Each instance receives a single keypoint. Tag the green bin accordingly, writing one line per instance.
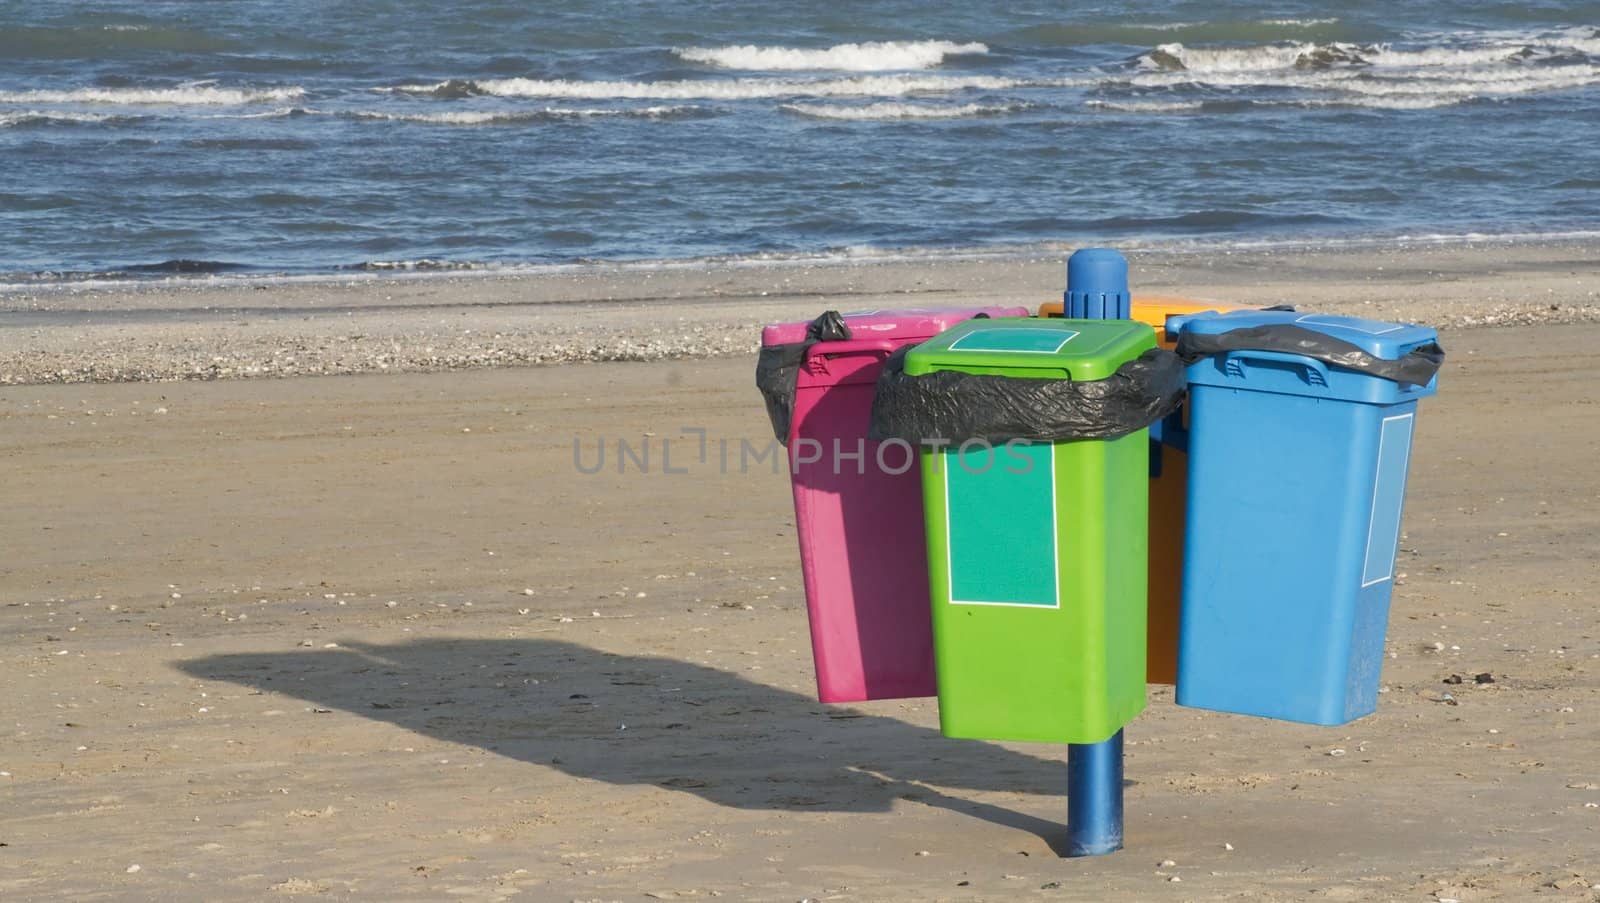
(1037, 551)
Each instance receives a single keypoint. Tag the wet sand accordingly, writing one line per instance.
(377, 637)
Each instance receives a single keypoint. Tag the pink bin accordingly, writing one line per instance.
(862, 551)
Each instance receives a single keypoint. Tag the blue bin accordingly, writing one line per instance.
(1297, 474)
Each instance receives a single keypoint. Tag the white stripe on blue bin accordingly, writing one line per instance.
(1388, 497)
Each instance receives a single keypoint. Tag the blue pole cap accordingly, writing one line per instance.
(1097, 285)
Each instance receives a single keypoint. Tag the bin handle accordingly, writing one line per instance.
(830, 350)
(1316, 372)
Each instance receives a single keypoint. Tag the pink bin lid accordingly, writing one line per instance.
(904, 323)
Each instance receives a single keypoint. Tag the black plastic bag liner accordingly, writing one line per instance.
(1416, 366)
(778, 368)
(956, 406)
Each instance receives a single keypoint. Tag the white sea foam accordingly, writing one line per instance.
(895, 110)
(1293, 55)
(1357, 90)
(1579, 38)
(1300, 23)
(874, 56)
(1469, 85)
(1385, 56)
(455, 117)
(183, 95)
(746, 88)
(1453, 69)
(1279, 78)
(1426, 102)
(1146, 106)
(1261, 58)
(1583, 40)
(1454, 51)
(427, 263)
(42, 117)
(503, 117)
(1504, 80)
(1364, 102)
(1168, 26)
(464, 117)
(278, 113)
(1279, 23)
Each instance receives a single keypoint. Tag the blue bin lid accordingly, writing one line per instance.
(1389, 341)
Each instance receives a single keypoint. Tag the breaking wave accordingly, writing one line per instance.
(1147, 106)
(62, 117)
(507, 117)
(1255, 31)
(874, 56)
(1178, 57)
(183, 95)
(1382, 76)
(754, 88)
(890, 110)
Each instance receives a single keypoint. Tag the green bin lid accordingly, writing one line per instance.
(1083, 350)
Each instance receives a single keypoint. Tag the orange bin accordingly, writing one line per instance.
(1169, 469)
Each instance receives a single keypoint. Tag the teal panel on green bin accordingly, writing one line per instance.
(1020, 341)
(1001, 520)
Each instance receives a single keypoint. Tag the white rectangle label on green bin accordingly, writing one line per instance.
(1017, 340)
(1000, 525)
(1388, 496)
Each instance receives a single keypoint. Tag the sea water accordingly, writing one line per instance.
(305, 137)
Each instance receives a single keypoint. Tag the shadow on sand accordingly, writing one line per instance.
(688, 727)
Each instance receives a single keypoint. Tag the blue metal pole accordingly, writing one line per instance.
(1097, 285)
(1094, 797)
(1097, 289)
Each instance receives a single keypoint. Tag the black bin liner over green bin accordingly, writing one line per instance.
(959, 407)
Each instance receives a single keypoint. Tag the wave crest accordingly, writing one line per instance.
(1175, 57)
(183, 95)
(62, 117)
(873, 56)
(755, 88)
(449, 89)
(508, 117)
(1442, 70)
(889, 110)
(1224, 31)
(1146, 106)
(1261, 58)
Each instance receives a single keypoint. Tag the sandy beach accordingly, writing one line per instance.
(367, 631)
(222, 328)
